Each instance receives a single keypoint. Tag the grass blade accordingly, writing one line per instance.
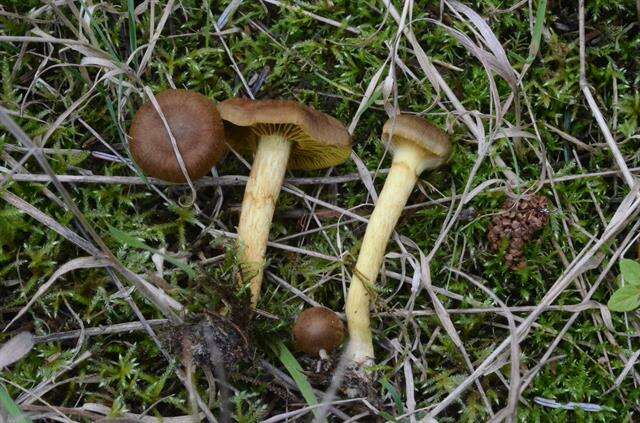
(294, 369)
(537, 31)
(133, 39)
(134, 242)
(11, 408)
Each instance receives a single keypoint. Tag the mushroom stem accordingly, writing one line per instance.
(258, 205)
(323, 354)
(323, 357)
(408, 162)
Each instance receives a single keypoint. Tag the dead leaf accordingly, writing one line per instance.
(16, 348)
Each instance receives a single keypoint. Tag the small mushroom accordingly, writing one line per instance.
(416, 145)
(318, 331)
(282, 135)
(196, 127)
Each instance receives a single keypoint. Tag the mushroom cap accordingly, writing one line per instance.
(430, 139)
(196, 126)
(318, 328)
(319, 141)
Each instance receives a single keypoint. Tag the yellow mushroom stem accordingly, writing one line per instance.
(409, 160)
(260, 196)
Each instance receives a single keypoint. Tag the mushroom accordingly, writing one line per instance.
(318, 331)
(196, 127)
(283, 135)
(416, 145)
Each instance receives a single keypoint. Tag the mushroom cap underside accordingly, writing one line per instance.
(319, 141)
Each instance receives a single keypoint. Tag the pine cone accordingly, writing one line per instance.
(517, 225)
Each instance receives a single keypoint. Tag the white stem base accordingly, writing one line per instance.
(323, 358)
(394, 195)
(258, 205)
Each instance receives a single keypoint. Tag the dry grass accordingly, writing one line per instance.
(538, 97)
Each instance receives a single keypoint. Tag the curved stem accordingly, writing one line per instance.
(403, 174)
(258, 205)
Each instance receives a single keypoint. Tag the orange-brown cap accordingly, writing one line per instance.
(433, 143)
(319, 141)
(318, 328)
(196, 126)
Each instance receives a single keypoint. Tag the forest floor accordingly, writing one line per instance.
(538, 97)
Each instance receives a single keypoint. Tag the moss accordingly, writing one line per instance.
(298, 57)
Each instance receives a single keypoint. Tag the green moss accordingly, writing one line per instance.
(329, 68)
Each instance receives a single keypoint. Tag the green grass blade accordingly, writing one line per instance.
(11, 407)
(131, 241)
(394, 394)
(537, 30)
(133, 40)
(294, 369)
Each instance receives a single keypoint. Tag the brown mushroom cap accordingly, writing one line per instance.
(319, 141)
(416, 130)
(318, 328)
(196, 126)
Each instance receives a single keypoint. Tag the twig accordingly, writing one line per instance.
(100, 330)
(278, 245)
(226, 180)
(571, 308)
